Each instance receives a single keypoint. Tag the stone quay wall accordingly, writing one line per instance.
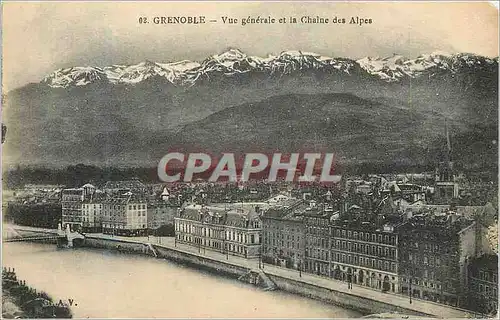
(340, 298)
(179, 256)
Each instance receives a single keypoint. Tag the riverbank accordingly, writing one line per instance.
(358, 298)
(22, 301)
(10, 309)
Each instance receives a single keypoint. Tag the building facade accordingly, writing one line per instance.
(161, 213)
(435, 251)
(283, 236)
(317, 236)
(235, 231)
(126, 215)
(71, 201)
(92, 215)
(483, 284)
(366, 254)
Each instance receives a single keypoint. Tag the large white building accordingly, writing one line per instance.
(234, 231)
(125, 215)
(92, 215)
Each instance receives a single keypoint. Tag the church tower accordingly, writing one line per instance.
(446, 186)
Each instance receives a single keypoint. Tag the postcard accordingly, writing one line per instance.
(219, 159)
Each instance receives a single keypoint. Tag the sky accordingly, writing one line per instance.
(40, 37)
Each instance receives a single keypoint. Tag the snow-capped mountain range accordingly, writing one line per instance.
(233, 61)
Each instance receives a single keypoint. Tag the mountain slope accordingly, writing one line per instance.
(391, 108)
(351, 127)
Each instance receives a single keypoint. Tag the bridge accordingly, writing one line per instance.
(64, 237)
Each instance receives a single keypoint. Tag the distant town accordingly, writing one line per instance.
(430, 236)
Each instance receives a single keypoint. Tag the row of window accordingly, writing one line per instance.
(364, 262)
(288, 237)
(365, 249)
(488, 290)
(281, 228)
(432, 247)
(487, 276)
(417, 259)
(230, 235)
(317, 230)
(427, 284)
(282, 243)
(213, 244)
(274, 250)
(317, 242)
(364, 236)
(123, 214)
(123, 226)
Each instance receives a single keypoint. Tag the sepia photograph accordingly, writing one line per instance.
(249, 159)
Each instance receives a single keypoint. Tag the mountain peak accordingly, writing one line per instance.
(234, 61)
(232, 53)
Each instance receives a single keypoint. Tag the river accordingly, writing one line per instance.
(107, 284)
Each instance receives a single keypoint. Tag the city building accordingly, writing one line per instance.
(125, 215)
(79, 208)
(92, 215)
(483, 284)
(71, 201)
(365, 252)
(317, 235)
(435, 249)
(283, 235)
(161, 213)
(234, 231)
